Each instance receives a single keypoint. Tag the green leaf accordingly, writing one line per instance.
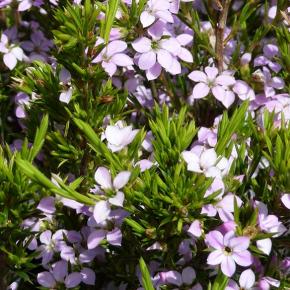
(39, 138)
(33, 173)
(112, 7)
(146, 278)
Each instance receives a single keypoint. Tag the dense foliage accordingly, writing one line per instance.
(145, 144)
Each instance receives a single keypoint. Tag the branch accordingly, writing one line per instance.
(222, 21)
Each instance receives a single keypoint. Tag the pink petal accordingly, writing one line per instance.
(164, 58)
(146, 19)
(195, 229)
(247, 279)
(47, 205)
(46, 279)
(66, 96)
(73, 280)
(10, 60)
(215, 257)
(115, 47)
(185, 55)
(211, 72)
(101, 211)
(142, 44)
(219, 93)
(109, 67)
(114, 237)
(88, 276)
(60, 270)
(103, 178)
(286, 200)
(208, 158)
(18, 52)
(239, 244)
(121, 179)
(147, 60)
(118, 199)
(24, 5)
(184, 38)
(243, 258)
(175, 68)
(264, 245)
(215, 239)
(154, 72)
(95, 238)
(45, 237)
(225, 80)
(228, 266)
(122, 59)
(200, 91)
(198, 76)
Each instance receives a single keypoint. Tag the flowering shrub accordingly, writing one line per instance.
(145, 144)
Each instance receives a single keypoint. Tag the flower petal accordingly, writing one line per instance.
(215, 257)
(247, 279)
(103, 178)
(46, 279)
(142, 44)
(73, 280)
(121, 179)
(228, 266)
(122, 59)
(243, 258)
(215, 239)
(95, 238)
(200, 91)
(88, 276)
(198, 76)
(147, 60)
(102, 211)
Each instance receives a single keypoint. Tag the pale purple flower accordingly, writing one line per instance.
(37, 46)
(270, 83)
(264, 245)
(187, 277)
(229, 250)
(51, 243)
(156, 9)
(244, 91)
(266, 283)
(195, 229)
(205, 161)
(119, 136)
(103, 177)
(5, 3)
(270, 51)
(286, 200)
(225, 208)
(156, 54)
(11, 53)
(210, 82)
(269, 223)
(59, 275)
(47, 205)
(27, 4)
(246, 281)
(112, 56)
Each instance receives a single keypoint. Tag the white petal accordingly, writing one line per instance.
(101, 211)
(121, 179)
(103, 178)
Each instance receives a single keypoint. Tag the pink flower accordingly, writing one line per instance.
(156, 9)
(11, 53)
(286, 199)
(228, 251)
(103, 177)
(119, 136)
(157, 54)
(246, 281)
(210, 82)
(112, 56)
